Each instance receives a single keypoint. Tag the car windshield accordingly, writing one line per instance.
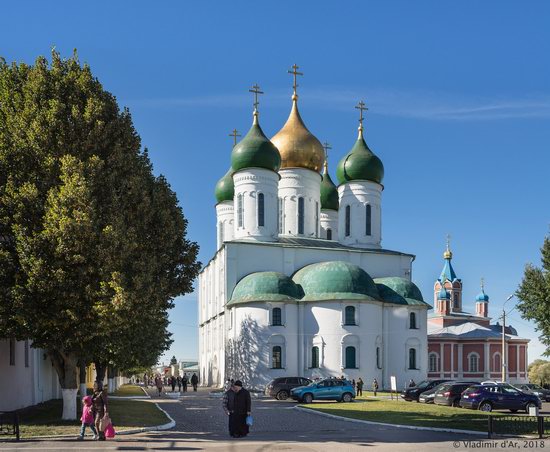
(423, 384)
(443, 387)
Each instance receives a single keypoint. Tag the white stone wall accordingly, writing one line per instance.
(357, 195)
(225, 229)
(249, 183)
(329, 220)
(298, 183)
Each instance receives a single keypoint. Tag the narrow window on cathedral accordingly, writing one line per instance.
(348, 221)
(240, 210)
(432, 362)
(277, 362)
(368, 220)
(261, 214)
(349, 317)
(455, 300)
(412, 321)
(412, 358)
(350, 358)
(281, 215)
(315, 357)
(316, 219)
(12, 352)
(329, 234)
(473, 362)
(276, 317)
(221, 232)
(26, 353)
(378, 360)
(496, 363)
(300, 215)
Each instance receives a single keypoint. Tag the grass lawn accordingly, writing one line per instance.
(45, 418)
(407, 413)
(129, 391)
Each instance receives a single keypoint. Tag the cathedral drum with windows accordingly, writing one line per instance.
(300, 284)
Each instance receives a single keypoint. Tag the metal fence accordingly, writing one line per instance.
(9, 424)
(518, 426)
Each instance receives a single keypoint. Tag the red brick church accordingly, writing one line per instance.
(462, 345)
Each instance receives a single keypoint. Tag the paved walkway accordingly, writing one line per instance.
(202, 425)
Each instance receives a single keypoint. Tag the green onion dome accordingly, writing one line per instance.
(329, 192)
(399, 290)
(360, 164)
(335, 280)
(225, 188)
(264, 286)
(255, 151)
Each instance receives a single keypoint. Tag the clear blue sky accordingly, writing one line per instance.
(459, 98)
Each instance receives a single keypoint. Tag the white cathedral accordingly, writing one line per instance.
(300, 285)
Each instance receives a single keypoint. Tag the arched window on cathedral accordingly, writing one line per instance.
(240, 210)
(315, 357)
(276, 317)
(412, 321)
(412, 358)
(497, 364)
(349, 315)
(277, 357)
(348, 221)
(433, 362)
(261, 213)
(329, 234)
(351, 362)
(301, 215)
(473, 362)
(378, 358)
(368, 213)
(281, 215)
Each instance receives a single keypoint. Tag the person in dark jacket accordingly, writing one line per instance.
(237, 405)
(173, 383)
(194, 381)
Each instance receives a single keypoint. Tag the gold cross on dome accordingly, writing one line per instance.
(326, 146)
(295, 73)
(234, 134)
(448, 242)
(256, 90)
(361, 106)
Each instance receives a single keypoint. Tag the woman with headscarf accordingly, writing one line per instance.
(99, 407)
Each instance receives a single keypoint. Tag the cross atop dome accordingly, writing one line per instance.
(256, 90)
(361, 106)
(448, 254)
(295, 73)
(234, 134)
(326, 147)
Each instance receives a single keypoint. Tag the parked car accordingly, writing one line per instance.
(413, 393)
(280, 387)
(328, 389)
(489, 397)
(449, 393)
(428, 396)
(543, 394)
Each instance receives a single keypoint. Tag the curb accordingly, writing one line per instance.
(385, 424)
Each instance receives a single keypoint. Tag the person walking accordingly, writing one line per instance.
(158, 384)
(359, 385)
(375, 386)
(99, 408)
(184, 382)
(194, 381)
(179, 383)
(237, 406)
(173, 383)
(145, 380)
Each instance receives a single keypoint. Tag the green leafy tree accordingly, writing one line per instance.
(534, 295)
(92, 244)
(539, 372)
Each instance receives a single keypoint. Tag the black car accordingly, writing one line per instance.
(428, 396)
(543, 394)
(280, 387)
(491, 397)
(413, 392)
(449, 393)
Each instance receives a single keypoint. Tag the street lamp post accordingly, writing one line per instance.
(504, 354)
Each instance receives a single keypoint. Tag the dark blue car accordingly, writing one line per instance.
(491, 397)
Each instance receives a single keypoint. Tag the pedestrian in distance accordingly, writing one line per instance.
(173, 383)
(237, 405)
(411, 383)
(184, 382)
(353, 383)
(359, 385)
(99, 408)
(87, 418)
(194, 381)
(179, 383)
(145, 380)
(158, 384)
(375, 386)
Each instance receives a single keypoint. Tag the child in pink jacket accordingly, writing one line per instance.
(87, 417)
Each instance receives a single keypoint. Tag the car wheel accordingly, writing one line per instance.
(308, 398)
(347, 397)
(486, 406)
(528, 406)
(282, 395)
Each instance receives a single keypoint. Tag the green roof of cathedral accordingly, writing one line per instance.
(225, 189)
(255, 150)
(335, 280)
(360, 164)
(329, 193)
(398, 290)
(264, 286)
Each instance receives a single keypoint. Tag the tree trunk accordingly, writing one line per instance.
(82, 378)
(100, 369)
(65, 366)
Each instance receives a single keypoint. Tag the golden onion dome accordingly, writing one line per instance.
(298, 147)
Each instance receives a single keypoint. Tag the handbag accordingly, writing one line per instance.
(249, 421)
(110, 431)
(104, 422)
